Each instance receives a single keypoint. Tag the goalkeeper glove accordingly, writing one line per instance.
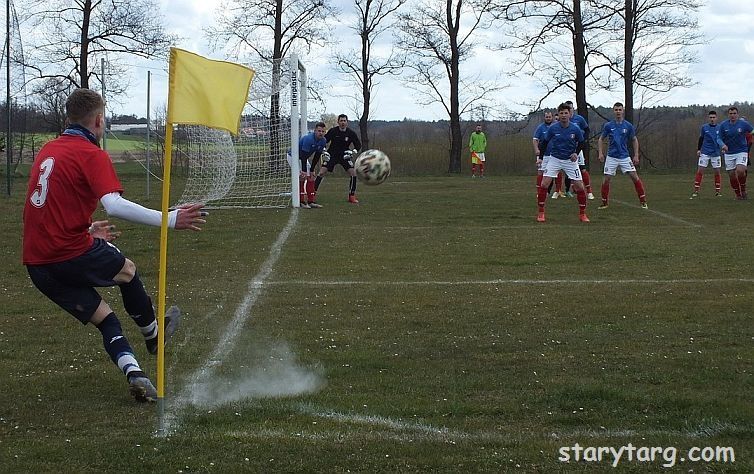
(325, 157)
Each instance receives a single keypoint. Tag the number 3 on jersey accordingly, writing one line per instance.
(39, 196)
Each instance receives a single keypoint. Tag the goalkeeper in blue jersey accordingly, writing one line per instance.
(310, 149)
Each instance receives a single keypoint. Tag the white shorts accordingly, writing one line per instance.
(734, 159)
(582, 161)
(570, 168)
(543, 166)
(612, 165)
(706, 160)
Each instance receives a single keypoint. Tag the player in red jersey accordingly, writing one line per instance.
(67, 255)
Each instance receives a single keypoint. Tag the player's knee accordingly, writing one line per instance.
(126, 274)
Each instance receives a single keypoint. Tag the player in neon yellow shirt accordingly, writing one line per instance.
(477, 146)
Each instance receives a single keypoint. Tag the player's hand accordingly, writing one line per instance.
(325, 157)
(103, 230)
(190, 216)
(602, 158)
(636, 160)
(539, 161)
(574, 157)
(724, 149)
(698, 153)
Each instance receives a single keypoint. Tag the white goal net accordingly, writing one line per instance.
(251, 170)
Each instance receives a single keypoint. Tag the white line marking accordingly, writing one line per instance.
(661, 214)
(569, 281)
(228, 340)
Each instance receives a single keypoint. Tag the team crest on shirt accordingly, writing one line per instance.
(624, 131)
(573, 136)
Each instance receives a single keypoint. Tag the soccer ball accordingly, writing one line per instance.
(372, 167)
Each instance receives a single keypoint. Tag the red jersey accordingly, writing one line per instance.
(69, 176)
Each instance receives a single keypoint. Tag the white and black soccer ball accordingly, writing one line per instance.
(372, 167)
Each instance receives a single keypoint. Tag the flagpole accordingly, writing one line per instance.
(162, 277)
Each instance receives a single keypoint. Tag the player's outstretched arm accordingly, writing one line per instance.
(117, 206)
(190, 216)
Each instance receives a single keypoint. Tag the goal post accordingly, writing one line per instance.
(259, 168)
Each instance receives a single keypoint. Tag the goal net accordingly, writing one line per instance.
(253, 169)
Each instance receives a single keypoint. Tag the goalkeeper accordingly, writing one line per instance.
(310, 147)
(343, 144)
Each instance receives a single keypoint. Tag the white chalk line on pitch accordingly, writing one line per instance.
(568, 281)
(661, 214)
(228, 340)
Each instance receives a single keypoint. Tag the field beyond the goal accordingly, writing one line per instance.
(434, 327)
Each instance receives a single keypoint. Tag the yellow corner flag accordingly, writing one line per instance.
(206, 92)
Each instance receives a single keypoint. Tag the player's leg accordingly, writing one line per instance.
(639, 186)
(482, 160)
(550, 172)
(699, 176)
(730, 167)
(326, 167)
(348, 166)
(577, 185)
(716, 164)
(311, 193)
(611, 166)
(741, 174)
(559, 185)
(59, 282)
(474, 164)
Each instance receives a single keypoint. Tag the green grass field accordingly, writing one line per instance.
(436, 327)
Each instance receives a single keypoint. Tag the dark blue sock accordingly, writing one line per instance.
(117, 346)
(139, 306)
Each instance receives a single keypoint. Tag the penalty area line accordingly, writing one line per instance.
(569, 281)
(669, 217)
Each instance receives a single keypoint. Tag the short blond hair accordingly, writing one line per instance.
(82, 105)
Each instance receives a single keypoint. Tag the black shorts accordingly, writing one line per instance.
(70, 284)
(346, 164)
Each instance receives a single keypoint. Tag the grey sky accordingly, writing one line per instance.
(725, 73)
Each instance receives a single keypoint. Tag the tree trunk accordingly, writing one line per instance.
(453, 76)
(365, 91)
(628, 67)
(84, 53)
(579, 55)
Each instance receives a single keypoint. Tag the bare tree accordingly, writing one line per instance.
(364, 66)
(657, 41)
(268, 31)
(567, 42)
(437, 37)
(72, 35)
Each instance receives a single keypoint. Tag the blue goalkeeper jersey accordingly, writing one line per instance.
(308, 144)
(619, 135)
(562, 141)
(539, 135)
(710, 135)
(734, 135)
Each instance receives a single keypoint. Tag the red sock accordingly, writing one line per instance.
(734, 184)
(541, 198)
(717, 183)
(481, 168)
(473, 169)
(698, 181)
(310, 190)
(587, 180)
(559, 183)
(581, 198)
(640, 190)
(539, 180)
(605, 192)
(302, 189)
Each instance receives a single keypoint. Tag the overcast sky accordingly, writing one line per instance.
(724, 74)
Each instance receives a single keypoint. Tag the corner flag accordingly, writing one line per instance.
(206, 92)
(201, 92)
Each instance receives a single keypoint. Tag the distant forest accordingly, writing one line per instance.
(667, 138)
